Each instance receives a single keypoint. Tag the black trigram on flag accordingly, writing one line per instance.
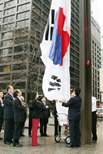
(48, 36)
(55, 83)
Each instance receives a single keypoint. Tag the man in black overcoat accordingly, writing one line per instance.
(8, 116)
(74, 116)
(19, 117)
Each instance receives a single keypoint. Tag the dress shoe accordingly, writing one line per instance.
(17, 145)
(41, 135)
(7, 142)
(69, 146)
(94, 141)
(46, 135)
(22, 135)
(1, 138)
(11, 141)
(78, 146)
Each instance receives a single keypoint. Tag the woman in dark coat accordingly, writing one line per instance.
(38, 108)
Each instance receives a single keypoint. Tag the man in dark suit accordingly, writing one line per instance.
(8, 116)
(19, 118)
(74, 105)
(44, 120)
(1, 110)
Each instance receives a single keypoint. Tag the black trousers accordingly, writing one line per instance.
(94, 122)
(30, 126)
(1, 122)
(17, 132)
(8, 130)
(74, 133)
(43, 126)
(57, 127)
(22, 131)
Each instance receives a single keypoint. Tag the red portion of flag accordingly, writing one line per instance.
(65, 36)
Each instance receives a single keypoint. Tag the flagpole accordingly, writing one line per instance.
(85, 72)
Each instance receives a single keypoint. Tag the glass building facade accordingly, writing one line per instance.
(96, 58)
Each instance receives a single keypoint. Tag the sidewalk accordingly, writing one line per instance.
(49, 146)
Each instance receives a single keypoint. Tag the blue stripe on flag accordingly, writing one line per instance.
(56, 45)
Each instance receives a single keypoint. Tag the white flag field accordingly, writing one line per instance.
(55, 49)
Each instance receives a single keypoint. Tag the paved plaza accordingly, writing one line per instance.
(47, 145)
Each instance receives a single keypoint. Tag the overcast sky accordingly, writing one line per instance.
(97, 9)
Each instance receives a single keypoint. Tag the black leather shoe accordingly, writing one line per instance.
(46, 135)
(78, 146)
(41, 135)
(17, 145)
(1, 138)
(69, 146)
(7, 142)
(94, 141)
(11, 141)
(22, 135)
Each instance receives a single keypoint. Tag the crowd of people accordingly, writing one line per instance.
(13, 110)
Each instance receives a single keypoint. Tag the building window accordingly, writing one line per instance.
(4, 77)
(23, 23)
(18, 49)
(36, 16)
(5, 68)
(20, 76)
(4, 85)
(9, 19)
(21, 31)
(10, 3)
(32, 40)
(45, 8)
(1, 14)
(21, 1)
(24, 7)
(5, 52)
(23, 15)
(8, 26)
(36, 9)
(7, 43)
(21, 66)
(21, 40)
(9, 11)
(19, 85)
(21, 57)
(46, 2)
(7, 35)
(45, 16)
(1, 6)
(35, 24)
(37, 2)
(6, 59)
